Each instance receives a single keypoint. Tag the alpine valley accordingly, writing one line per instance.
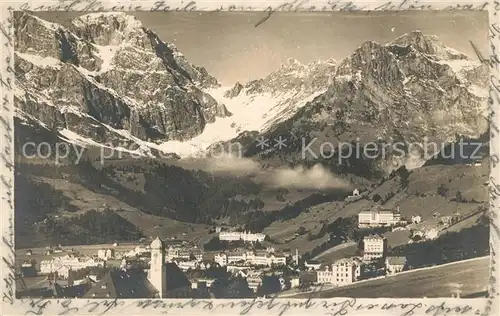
(105, 83)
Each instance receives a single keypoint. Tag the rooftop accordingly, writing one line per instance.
(157, 243)
(351, 260)
(380, 211)
(135, 284)
(374, 236)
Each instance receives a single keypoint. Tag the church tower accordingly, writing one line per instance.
(157, 270)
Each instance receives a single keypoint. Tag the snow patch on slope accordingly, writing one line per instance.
(250, 113)
(25, 118)
(256, 112)
(46, 24)
(478, 91)
(86, 142)
(460, 64)
(106, 53)
(128, 21)
(39, 61)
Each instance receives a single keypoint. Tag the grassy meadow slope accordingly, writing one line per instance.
(174, 198)
(419, 191)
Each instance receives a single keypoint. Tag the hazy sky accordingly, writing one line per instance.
(232, 49)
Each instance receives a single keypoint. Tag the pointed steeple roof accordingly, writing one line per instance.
(157, 243)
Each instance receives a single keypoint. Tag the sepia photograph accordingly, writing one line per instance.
(220, 155)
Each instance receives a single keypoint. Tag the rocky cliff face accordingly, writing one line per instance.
(404, 91)
(109, 79)
(295, 76)
(260, 104)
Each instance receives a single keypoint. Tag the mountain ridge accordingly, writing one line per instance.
(120, 105)
(390, 93)
(159, 98)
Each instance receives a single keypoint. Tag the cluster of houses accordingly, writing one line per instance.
(106, 254)
(185, 257)
(186, 265)
(349, 270)
(144, 271)
(163, 273)
(255, 278)
(64, 264)
(184, 253)
(254, 257)
(157, 262)
(242, 236)
(378, 217)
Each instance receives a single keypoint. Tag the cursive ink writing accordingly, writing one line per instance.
(9, 279)
(66, 307)
(271, 306)
(37, 306)
(102, 307)
(494, 188)
(6, 181)
(302, 5)
(404, 5)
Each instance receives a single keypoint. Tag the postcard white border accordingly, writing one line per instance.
(335, 306)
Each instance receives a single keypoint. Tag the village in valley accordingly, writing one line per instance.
(241, 266)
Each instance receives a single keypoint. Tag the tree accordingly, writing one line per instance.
(301, 230)
(270, 285)
(219, 288)
(416, 238)
(257, 203)
(305, 285)
(442, 190)
(258, 245)
(238, 288)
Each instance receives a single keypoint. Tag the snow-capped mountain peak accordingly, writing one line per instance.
(411, 88)
(108, 28)
(110, 80)
(428, 44)
(143, 86)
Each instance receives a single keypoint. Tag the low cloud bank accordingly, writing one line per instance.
(316, 177)
(231, 165)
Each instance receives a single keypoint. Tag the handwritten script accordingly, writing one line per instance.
(6, 163)
(494, 187)
(276, 305)
(334, 307)
(292, 6)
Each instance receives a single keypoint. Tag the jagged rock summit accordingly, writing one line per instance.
(405, 91)
(108, 79)
(291, 77)
(429, 45)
